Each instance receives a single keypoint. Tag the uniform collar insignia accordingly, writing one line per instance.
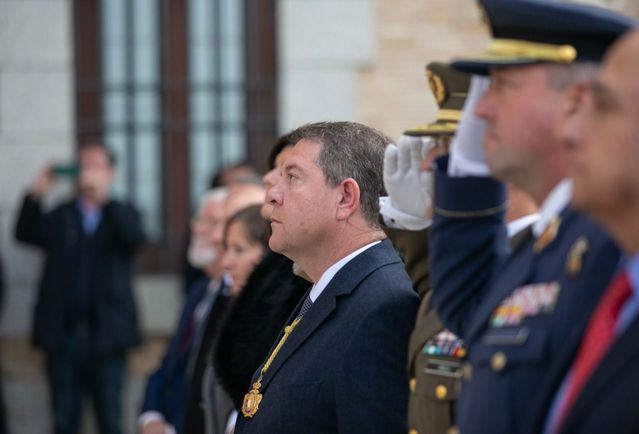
(574, 261)
(548, 235)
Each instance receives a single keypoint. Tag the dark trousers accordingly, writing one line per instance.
(75, 371)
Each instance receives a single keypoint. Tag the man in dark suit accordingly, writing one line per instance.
(85, 314)
(518, 313)
(599, 388)
(435, 355)
(165, 396)
(339, 364)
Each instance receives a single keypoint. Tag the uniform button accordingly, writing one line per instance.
(453, 430)
(413, 431)
(441, 392)
(498, 361)
(412, 384)
(467, 371)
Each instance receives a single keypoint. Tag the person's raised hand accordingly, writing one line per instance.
(409, 187)
(467, 148)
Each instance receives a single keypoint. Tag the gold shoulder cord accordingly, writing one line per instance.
(252, 399)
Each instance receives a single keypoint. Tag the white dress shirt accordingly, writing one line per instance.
(331, 271)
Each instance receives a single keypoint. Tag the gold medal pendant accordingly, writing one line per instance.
(252, 401)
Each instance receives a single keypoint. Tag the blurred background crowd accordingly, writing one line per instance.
(191, 97)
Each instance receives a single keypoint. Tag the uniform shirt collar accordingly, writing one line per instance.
(555, 202)
(518, 225)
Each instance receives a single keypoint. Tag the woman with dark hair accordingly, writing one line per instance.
(245, 242)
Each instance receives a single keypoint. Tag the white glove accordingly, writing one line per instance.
(409, 188)
(467, 149)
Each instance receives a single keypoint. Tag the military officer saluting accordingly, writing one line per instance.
(435, 355)
(518, 311)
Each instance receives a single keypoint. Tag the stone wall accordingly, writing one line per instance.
(36, 127)
(322, 47)
(393, 94)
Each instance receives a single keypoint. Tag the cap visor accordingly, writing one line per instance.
(483, 63)
(433, 129)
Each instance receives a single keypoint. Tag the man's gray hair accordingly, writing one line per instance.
(350, 150)
(560, 77)
(217, 194)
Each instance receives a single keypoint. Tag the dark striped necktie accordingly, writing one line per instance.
(306, 306)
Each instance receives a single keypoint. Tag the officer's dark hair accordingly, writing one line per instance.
(105, 149)
(350, 150)
(561, 77)
(256, 228)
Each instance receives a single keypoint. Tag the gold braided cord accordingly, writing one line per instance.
(449, 115)
(253, 398)
(532, 50)
(287, 331)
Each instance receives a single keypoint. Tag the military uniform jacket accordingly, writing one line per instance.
(517, 313)
(433, 378)
(342, 369)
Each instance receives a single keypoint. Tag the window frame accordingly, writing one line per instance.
(260, 54)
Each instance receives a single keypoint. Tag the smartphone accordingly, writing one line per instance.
(65, 170)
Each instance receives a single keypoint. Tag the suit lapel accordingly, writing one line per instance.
(315, 316)
(344, 282)
(623, 353)
(185, 320)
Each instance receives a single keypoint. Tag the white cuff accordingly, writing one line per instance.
(460, 166)
(155, 416)
(230, 423)
(396, 219)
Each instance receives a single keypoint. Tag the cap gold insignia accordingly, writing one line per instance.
(436, 86)
(548, 235)
(574, 262)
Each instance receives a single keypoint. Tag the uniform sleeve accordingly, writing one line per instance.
(468, 243)
(372, 385)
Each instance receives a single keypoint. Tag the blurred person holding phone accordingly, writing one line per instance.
(85, 316)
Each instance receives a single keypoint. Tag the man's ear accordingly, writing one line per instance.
(348, 199)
